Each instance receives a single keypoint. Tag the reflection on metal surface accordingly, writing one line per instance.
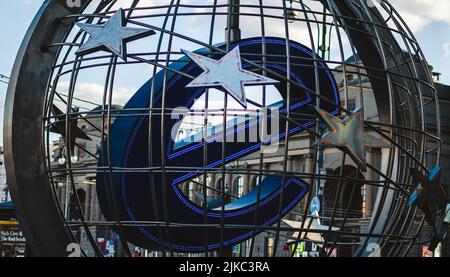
(349, 135)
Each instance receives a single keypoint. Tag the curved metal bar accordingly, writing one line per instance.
(46, 235)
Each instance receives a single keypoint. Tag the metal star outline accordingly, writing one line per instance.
(111, 36)
(429, 193)
(227, 73)
(348, 135)
(442, 227)
(59, 127)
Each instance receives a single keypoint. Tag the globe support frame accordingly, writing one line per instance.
(46, 235)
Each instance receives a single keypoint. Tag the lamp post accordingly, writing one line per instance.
(323, 36)
(62, 161)
(235, 31)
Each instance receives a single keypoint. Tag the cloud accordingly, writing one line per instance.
(420, 13)
(446, 47)
(417, 13)
(93, 92)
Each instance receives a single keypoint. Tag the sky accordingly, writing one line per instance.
(428, 19)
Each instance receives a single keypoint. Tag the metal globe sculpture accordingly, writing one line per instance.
(251, 128)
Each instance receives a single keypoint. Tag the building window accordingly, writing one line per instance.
(268, 246)
(239, 185)
(255, 182)
(219, 184)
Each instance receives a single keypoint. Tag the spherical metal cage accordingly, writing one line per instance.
(91, 160)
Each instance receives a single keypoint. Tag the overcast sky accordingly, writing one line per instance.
(429, 19)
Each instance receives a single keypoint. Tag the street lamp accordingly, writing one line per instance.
(62, 161)
(323, 38)
(291, 14)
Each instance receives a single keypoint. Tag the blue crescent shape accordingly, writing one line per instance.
(127, 194)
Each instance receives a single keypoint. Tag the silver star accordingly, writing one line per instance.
(227, 73)
(348, 135)
(112, 36)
